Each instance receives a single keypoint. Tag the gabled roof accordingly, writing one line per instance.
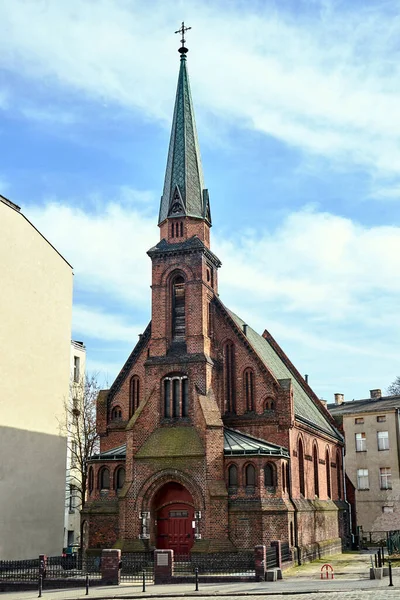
(237, 443)
(184, 193)
(384, 403)
(305, 402)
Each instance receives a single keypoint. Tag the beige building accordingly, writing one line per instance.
(371, 429)
(35, 338)
(72, 518)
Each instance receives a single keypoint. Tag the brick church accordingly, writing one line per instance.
(210, 439)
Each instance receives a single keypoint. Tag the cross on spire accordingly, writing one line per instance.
(182, 30)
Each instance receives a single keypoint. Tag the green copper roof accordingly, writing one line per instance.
(184, 192)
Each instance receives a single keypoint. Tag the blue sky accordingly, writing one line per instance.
(297, 108)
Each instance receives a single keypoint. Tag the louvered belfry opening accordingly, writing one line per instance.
(178, 309)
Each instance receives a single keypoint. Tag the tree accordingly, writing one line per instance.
(394, 387)
(79, 427)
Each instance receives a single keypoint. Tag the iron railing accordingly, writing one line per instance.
(286, 552)
(135, 564)
(224, 564)
(58, 568)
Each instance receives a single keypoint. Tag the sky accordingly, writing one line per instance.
(298, 113)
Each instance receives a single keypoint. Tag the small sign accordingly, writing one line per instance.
(162, 560)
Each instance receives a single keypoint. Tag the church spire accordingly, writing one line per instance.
(184, 194)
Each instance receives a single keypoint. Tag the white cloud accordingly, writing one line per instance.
(326, 82)
(96, 324)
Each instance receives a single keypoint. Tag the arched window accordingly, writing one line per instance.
(269, 404)
(339, 474)
(181, 228)
(104, 479)
(328, 474)
(300, 456)
(116, 413)
(119, 478)
(283, 477)
(291, 534)
(134, 394)
(287, 477)
(316, 470)
(229, 378)
(232, 476)
(90, 480)
(176, 396)
(269, 475)
(172, 229)
(249, 389)
(250, 476)
(178, 308)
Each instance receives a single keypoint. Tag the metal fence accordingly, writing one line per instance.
(226, 564)
(136, 565)
(393, 542)
(286, 552)
(71, 569)
(272, 561)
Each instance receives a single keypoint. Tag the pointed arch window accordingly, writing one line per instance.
(283, 477)
(134, 394)
(176, 396)
(339, 474)
(269, 476)
(104, 479)
(119, 478)
(328, 474)
(232, 476)
(300, 455)
(229, 378)
(90, 480)
(316, 470)
(249, 389)
(250, 476)
(178, 308)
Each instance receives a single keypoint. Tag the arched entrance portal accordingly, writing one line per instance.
(174, 510)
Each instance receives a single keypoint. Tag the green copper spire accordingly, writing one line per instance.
(184, 193)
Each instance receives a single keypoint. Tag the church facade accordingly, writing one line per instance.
(210, 439)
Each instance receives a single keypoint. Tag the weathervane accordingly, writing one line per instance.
(183, 30)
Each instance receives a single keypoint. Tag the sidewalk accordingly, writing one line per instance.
(351, 572)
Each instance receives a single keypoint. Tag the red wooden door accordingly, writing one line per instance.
(174, 528)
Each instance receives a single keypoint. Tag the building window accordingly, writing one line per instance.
(316, 470)
(283, 477)
(134, 394)
(339, 474)
(361, 442)
(291, 534)
(300, 455)
(178, 308)
(104, 479)
(328, 475)
(359, 420)
(229, 377)
(381, 418)
(250, 477)
(116, 413)
(71, 498)
(91, 480)
(249, 389)
(269, 479)
(269, 404)
(176, 396)
(119, 478)
(385, 478)
(383, 440)
(232, 476)
(362, 479)
(77, 363)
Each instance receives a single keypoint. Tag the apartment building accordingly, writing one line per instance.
(35, 338)
(371, 427)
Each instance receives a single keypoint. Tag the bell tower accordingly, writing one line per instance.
(184, 270)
